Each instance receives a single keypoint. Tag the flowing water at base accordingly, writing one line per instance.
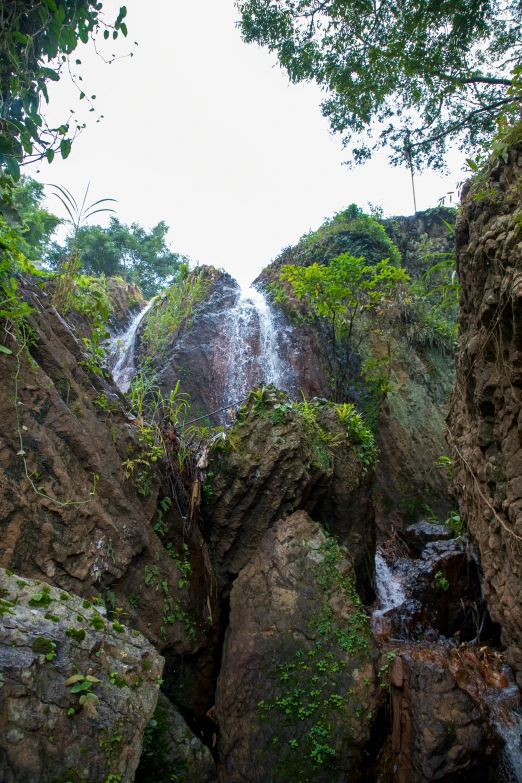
(123, 351)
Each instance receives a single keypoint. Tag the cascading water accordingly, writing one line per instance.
(253, 351)
(389, 589)
(123, 351)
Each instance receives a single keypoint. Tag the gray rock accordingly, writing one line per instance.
(171, 748)
(47, 735)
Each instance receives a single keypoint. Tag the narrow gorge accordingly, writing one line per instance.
(254, 545)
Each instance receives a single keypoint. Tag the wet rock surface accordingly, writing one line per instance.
(48, 636)
(172, 751)
(485, 412)
(68, 513)
(298, 685)
(272, 463)
(438, 732)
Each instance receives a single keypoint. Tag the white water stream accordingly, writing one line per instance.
(253, 353)
(123, 351)
(389, 589)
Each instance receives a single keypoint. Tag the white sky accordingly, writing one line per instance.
(206, 133)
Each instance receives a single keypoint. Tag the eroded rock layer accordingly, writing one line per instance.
(485, 420)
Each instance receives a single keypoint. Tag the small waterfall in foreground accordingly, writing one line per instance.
(123, 351)
(253, 350)
(389, 589)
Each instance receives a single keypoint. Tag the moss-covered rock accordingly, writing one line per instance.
(61, 717)
(298, 688)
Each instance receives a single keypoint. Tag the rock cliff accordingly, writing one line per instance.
(485, 412)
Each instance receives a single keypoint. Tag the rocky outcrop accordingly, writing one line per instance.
(438, 731)
(172, 752)
(484, 423)
(279, 457)
(419, 237)
(68, 512)
(126, 301)
(76, 690)
(298, 686)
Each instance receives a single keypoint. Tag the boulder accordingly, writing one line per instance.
(422, 533)
(279, 457)
(438, 731)
(76, 691)
(298, 688)
(171, 749)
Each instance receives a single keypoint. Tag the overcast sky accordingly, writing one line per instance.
(206, 133)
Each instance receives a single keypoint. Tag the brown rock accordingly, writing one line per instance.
(297, 690)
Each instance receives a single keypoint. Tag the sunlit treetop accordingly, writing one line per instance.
(411, 75)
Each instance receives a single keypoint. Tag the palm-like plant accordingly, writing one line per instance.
(70, 264)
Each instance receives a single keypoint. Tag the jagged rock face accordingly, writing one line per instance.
(485, 430)
(172, 752)
(46, 734)
(420, 235)
(271, 464)
(438, 731)
(55, 524)
(410, 436)
(298, 687)
(126, 300)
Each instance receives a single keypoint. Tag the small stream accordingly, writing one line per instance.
(501, 704)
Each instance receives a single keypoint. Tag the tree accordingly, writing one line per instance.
(37, 38)
(38, 224)
(416, 75)
(132, 252)
(341, 293)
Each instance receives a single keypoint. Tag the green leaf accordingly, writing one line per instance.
(13, 168)
(106, 34)
(51, 4)
(65, 148)
(49, 154)
(80, 686)
(6, 145)
(3, 349)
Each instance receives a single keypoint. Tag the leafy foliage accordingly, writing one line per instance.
(131, 252)
(38, 224)
(349, 231)
(36, 40)
(174, 307)
(413, 75)
(340, 293)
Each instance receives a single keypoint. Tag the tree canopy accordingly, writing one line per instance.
(341, 293)
(131, 252)
(37, 38)
(414, 75)
(38, 224)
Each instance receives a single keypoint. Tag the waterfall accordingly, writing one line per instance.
(390, 592)
(253, 348)
(123, 351)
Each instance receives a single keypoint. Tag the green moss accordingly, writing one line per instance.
(8, 572)
(42, 645)
(78, 634)
(87, 605)
(6, 606)
(146, 666)
(64, 597)
(42, 599)
(53, 617)
(21, 583)
(97, 623)
(4, 593)
(118, 627)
